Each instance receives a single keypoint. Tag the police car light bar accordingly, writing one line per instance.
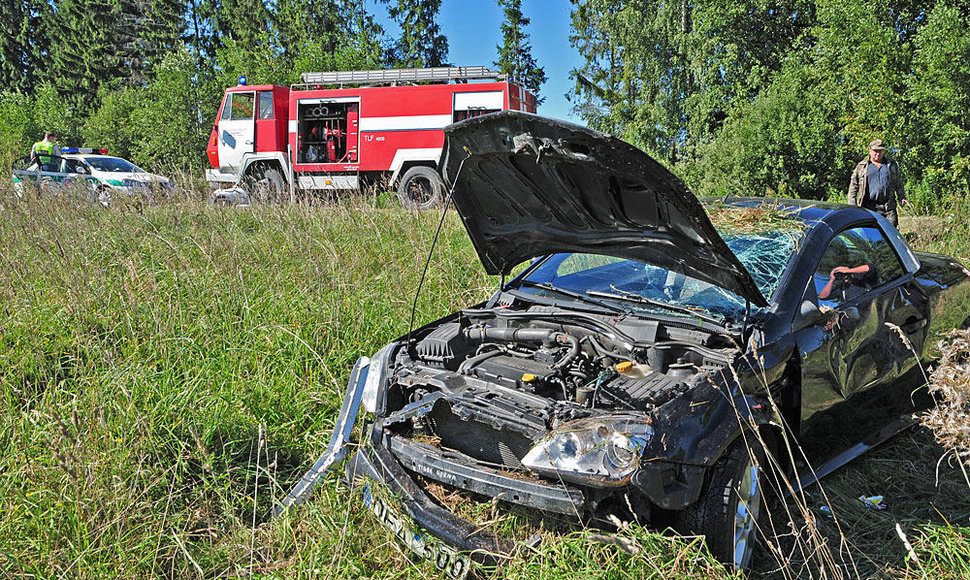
(83, 150)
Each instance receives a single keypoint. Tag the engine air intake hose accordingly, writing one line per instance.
(544, 336)
(485, 333)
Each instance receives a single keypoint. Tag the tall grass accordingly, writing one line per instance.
(167, 369)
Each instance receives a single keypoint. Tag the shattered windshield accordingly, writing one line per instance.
(764, 254)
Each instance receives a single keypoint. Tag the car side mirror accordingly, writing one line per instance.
(809, 314)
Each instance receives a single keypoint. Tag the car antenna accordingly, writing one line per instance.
(434, 242)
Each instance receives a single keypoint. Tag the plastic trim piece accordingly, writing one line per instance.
(338, 442)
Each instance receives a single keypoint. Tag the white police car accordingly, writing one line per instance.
(103, 175)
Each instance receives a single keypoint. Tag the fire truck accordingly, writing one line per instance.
(345, 130)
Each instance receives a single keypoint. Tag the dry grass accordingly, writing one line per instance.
(950, 383)
(761, 218)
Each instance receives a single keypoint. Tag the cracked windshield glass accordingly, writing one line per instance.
(643, 287)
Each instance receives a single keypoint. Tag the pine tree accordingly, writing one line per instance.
(87, 51)
(515, 54)
(421, 43)
(300, 21)
(162, 29)
(23, 46)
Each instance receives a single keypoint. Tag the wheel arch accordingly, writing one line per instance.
(255, 163)
(398, 173)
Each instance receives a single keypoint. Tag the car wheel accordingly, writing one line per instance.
(421, 188)
(268, 187)
(729, 511)
(103, 196)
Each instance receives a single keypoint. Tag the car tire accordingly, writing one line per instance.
(420, 188)
(267, 186)
(103, 196)
(732, 504)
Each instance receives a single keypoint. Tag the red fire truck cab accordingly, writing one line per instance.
(342, 130)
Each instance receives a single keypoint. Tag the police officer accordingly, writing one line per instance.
(45, 151)
(877, 183)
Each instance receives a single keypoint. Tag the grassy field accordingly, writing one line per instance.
(166, 371)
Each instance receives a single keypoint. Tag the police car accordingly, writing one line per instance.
(102, 175)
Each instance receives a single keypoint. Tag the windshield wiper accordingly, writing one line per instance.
(575, 295)
(631, 297)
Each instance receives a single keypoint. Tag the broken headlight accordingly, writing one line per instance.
(598, 451)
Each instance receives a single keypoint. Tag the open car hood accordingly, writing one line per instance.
(526, 186)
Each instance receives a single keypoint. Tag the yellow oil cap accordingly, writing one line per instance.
(623, 366)
(528, 377)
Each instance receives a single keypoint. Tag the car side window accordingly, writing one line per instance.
(855, 261)
(242, 106)
(74, 166)
(265, 104)
(227, 108)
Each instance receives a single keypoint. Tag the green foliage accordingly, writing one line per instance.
(421, 43)
(515, 53)
(938, 92)
(769, 98)
(24, 44)
(258, 61)
(24, 119)
(666, 75)
(164, 121)
(111, 125)
(87, 48)
(777, 145)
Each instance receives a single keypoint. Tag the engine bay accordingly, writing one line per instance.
(489, 382)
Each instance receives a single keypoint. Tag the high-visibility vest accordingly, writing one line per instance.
(44, 151)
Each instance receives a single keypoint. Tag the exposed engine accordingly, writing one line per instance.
(493, 381)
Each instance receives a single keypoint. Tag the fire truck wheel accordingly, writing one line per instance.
(420, 188)
(269, 187)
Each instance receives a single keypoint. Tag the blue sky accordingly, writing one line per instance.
(473, 31)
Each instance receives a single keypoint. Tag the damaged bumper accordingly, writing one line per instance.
(484, 547)
(394, 461)
(337, 449)
(435, 464)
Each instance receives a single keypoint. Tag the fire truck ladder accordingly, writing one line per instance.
(441, 74)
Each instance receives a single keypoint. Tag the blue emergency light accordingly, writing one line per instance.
(242, 79)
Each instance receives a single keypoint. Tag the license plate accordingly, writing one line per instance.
(450, 561)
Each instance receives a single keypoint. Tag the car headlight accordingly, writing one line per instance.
(376, 377)
(600, 451)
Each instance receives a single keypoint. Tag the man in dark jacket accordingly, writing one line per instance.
(877, 184)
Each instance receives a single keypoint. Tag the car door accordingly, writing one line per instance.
(77, 171)
(854, 359)
(42, 175)
(237, 128)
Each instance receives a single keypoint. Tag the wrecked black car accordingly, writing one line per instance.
(643, 360)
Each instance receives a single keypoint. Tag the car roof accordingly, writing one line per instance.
(808, 211)
(88, 155)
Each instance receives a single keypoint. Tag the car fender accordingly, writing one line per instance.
(249, 159)
(695, 430)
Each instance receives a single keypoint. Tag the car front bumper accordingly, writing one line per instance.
(485, 547)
